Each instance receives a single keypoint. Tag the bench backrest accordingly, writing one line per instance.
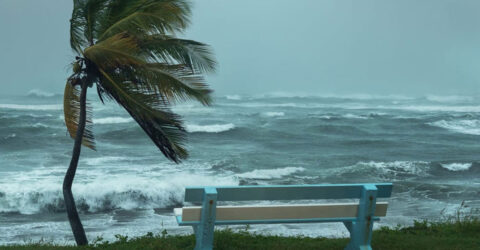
(288, 192)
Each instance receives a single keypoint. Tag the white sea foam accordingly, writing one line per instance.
(30, 194)
(45, 107)
(352, 116)
(233, 97)
(449, 99)
(434, 108)
(337, 96)
(457, 166)
(471, 127)
(10, 136)
(112, 120)
(270, 173)
(39, 93)
(345, 116)
(413, 167)
(39, 125)
(275, 105)
(214, 128)
(102, 160)
(386, 171)
(273, 114)
(326, 117)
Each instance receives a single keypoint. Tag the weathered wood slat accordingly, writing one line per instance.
(280, 212)
(288, 192)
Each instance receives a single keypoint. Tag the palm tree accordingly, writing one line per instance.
(128, 50)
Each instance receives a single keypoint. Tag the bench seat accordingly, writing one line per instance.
(358, 217)
(230, 215)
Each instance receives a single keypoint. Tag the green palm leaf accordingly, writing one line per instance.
(162, 126)
(71, 109)
(145, 16)
(117, 51)
(195, 55)
(128, 49)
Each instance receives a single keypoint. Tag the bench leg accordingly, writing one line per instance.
(349, 226)
(204, 231)
(361, 229)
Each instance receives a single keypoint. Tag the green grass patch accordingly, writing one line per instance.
(454, 234)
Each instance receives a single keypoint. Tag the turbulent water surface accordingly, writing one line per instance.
(428, 147)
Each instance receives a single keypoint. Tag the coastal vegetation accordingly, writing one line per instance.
(128, 51)
(450, 234)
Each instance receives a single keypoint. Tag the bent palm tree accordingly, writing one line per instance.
(127, 49)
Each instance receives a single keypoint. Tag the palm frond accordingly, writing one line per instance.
(129, 49)
(172, 83)
(71, 109)
(145, 16)
(198, 56)
(162, 126)
(117, 51)
(77, 26)
(94, 15)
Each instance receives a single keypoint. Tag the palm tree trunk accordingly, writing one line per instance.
(75, 223)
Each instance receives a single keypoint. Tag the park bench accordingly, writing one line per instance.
(358, 217)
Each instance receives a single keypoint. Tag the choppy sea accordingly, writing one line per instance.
(429, 147)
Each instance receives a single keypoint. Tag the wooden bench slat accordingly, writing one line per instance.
(288, 192)
(280, 212)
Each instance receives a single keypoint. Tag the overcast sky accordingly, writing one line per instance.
(403, 47)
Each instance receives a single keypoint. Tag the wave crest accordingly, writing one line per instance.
(455, 167)
(274, 114)
(266, 174)
(471, 127)
(385, 171)
(39, 93)
(102, 193)
(449, 99)
(215, 128)
(233, 97)
(46, 107)
(112, 120)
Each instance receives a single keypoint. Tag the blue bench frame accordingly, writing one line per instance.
(360, 227)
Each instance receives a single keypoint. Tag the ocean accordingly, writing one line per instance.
(428, 147)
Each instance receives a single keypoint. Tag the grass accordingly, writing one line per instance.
(455, 233)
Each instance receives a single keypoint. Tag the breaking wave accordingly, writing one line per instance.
(274, 114)
(40, 93)
(471, 127)
(434, 108)
(102, 193)
(45, 107)
(449, 99)
(352, 116)
(233, 97)
(385, 171)
(457, 166)
(360, 96)
(266, 174)
(215, 128)
(112, 120)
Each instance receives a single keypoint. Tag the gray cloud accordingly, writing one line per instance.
(374, 46)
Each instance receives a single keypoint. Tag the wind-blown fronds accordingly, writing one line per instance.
(117, 51)
(150, 112)
(77, 26)
(71, 109)
(129, 50)
(192, 54)
(175, 83)
(145, 16)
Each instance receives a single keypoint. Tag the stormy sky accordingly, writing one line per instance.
(379, 47)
